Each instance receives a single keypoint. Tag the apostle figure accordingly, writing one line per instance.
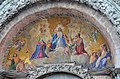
(20, 66)
(14, 62)
(105, 56)
(54, 36)
(79, 45)
(93, 59)
(40, 50)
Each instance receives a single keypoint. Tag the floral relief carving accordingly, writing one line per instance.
(66, 67)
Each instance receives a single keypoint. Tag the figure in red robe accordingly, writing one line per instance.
(79, 45)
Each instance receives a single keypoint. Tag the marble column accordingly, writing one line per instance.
(118, 76)
(117, 63)
(117, 58)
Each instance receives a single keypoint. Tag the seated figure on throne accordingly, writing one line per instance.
(58, 39)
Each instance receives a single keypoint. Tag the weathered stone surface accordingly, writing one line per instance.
(60, 67)
(37, 12)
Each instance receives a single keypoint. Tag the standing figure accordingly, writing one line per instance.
(79, 45)
(54, 36)
(67, 50)
(14, 62)
(40, 51)
(49, 46)
(27, 58)
(105, 55)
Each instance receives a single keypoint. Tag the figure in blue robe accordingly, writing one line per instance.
(55, 40)
(92, 65)
(36, 53)
(40, 51)
(103, 61)
(58, 39)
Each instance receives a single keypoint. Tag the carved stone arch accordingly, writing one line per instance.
(55, 68)
(47, 75)
(101, 22)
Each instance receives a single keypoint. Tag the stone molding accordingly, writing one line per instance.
(64, 67)
(117, 2)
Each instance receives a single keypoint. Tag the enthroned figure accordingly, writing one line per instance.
(58, 39)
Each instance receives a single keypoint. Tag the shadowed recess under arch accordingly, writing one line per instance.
(59, 75)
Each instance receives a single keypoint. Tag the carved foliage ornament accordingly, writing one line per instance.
(39, 71)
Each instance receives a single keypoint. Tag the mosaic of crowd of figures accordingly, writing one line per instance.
(58, 40)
